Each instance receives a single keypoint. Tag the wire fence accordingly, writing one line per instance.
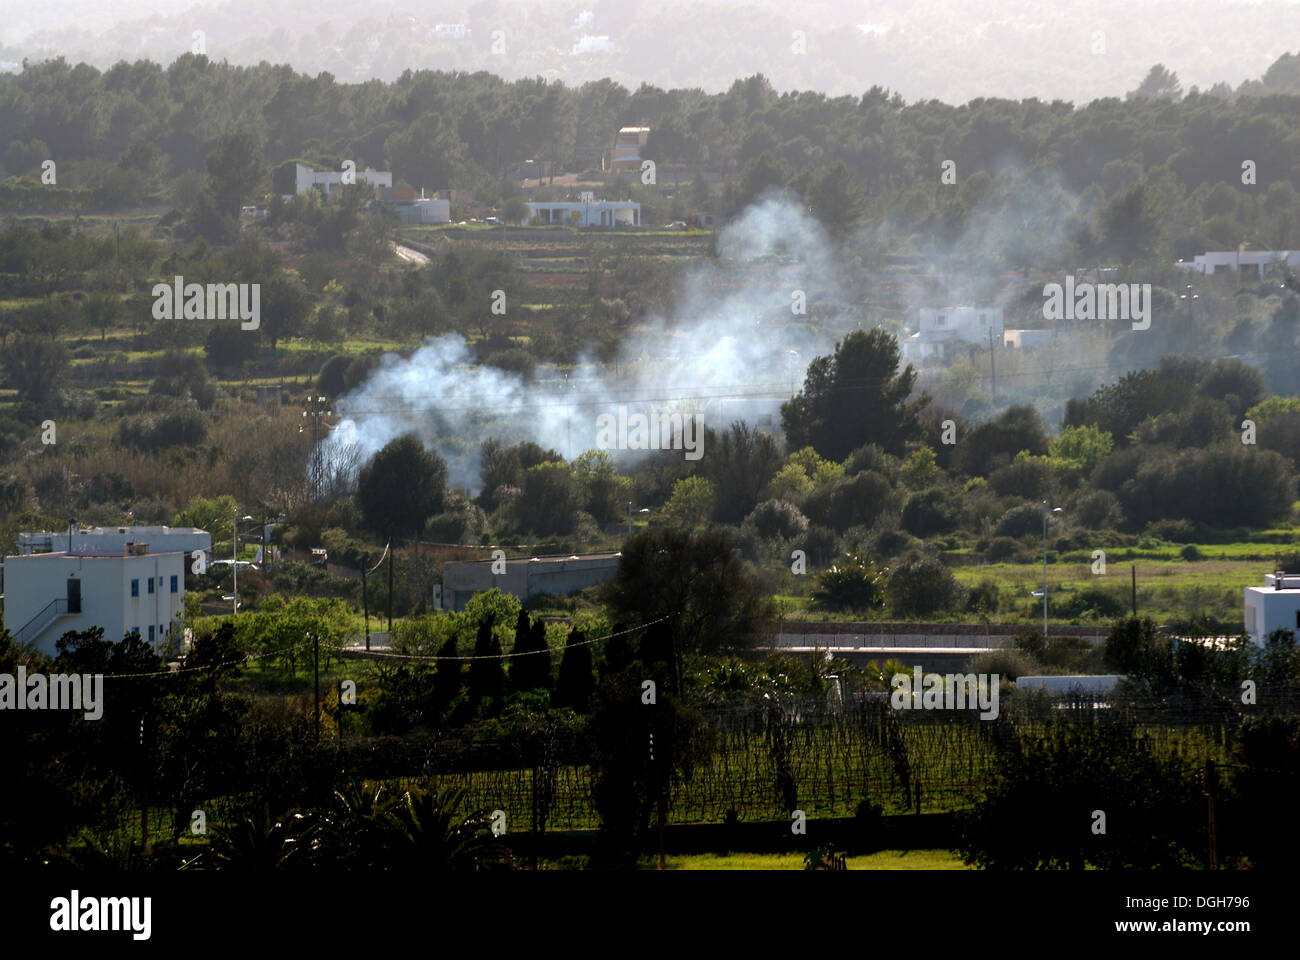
(825, 758)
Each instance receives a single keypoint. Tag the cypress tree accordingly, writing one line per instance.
(486, 677)
(619, 652)
(576, 682)
(533, 671)
(448, 678)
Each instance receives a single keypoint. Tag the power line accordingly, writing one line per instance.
(507, 656)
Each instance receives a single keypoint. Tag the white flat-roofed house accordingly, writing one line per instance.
(1274, 606)
(328, 181)
(1255, 263)
(587, 212)
(945, 329)
(48, 594)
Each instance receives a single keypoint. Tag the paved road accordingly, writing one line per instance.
(409, 255)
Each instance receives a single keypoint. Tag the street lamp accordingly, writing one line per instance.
(234, 562)
(1045, 512)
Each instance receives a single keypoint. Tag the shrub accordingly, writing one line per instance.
(1098, 510)
(984, 598)
(773, 519)
(931, 512)
(1021, 521)
(921, 585)
(1002, 548)
(853, 583)
(1007, 663)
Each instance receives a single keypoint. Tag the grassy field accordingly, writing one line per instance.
(881, 860)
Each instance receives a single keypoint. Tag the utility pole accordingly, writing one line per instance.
(993, 365)
(144, 793)
(1134, 570)
(315, 667)
(1208, 784)
(365, 603)
(234, 563)
(390, 582)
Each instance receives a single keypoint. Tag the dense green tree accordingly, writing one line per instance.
(854, 397)
(402, 486)
(695, 581)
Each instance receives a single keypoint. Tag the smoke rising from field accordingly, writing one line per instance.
(728, 351)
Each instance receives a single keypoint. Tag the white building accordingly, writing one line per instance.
(625, 156)
(1071, 685)
(48, 594)
(118, 540)
(1274, 606)
(525, 577)
(1256, 263)
(587, 212)
(329, 181)
(946, 329)
(431, 210)
(1019, 339)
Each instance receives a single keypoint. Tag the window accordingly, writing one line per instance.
(938, 320)
(173, 583)
(151, 587)
(136, 631)
(151, 632)
(135, 592)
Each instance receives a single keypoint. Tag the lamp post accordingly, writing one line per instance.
(234, 562)
(1045, 512)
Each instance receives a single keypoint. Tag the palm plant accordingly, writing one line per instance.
(425, 829)
(256, 843)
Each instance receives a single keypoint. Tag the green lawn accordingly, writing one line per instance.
(881, 860)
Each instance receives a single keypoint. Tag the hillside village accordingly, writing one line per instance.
(531, 476)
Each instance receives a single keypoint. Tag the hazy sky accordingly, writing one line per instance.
(953, 50)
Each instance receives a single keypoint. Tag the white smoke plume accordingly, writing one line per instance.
(734, 349)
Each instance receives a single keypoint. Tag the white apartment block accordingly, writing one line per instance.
(47, 594)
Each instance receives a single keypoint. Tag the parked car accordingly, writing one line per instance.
(217, 567)
(492, 221)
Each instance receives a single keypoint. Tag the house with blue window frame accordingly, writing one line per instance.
(44, 595)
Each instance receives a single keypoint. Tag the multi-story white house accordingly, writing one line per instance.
(48, 594)
(943, 329)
